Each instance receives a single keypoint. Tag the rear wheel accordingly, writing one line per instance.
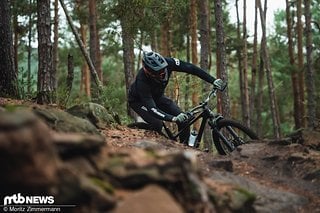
(228, 134)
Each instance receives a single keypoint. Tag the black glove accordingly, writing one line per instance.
(219, 84)
(182, 117)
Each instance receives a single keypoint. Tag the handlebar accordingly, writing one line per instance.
(212, 93)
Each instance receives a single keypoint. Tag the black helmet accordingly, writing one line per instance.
(154, 61)
(155, 66)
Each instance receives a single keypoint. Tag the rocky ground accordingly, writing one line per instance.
(284, 174)
(100, 166)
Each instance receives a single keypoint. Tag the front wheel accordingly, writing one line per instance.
(228, 134)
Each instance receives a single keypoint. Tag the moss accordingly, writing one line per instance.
(105, 185)
(241, 199)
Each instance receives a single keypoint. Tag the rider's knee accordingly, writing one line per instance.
(157, 126)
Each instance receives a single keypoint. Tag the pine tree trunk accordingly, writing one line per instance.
(8, 75)
(294, 74)
(187, 87)
(259, 128)
(85, 73)
(223, 100)
(95, 54)
(260, 95)
(55, 42)
(300, 62)
(154, 43)
(128, 56)
(46, 88)
(240, 67)
(194, 55)
(311, 105)
(272, 96)
(254, 68)
(29, 48)
(70, 76)
(204, 29)
(246, 114)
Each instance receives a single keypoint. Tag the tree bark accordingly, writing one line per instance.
(128, 56)
(254, 68)
(294, 74)
(46, 88)
(8, 75)
(266, 59)
(300, 62)
(311, 104)
(204, 28)
(55, 42)
(194, 56)
(29, 48)
(95, 54)
(70, 76)
(240, 61)
(85, 73)
(246, 114)
(223, 99)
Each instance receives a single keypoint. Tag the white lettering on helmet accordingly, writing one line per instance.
(157, 112)
(177, 61)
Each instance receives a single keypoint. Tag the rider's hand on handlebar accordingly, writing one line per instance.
(219, 84)
(182, 117)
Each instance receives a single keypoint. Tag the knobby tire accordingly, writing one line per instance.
(244, 132)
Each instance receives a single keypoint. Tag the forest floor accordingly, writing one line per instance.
(279, 172)
(277, 166)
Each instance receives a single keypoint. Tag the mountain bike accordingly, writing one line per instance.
(227, 134)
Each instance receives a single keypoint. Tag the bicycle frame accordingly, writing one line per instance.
(204, 115)
(198, 112)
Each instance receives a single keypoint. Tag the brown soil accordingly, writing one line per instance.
(287, 167)
(281, 166)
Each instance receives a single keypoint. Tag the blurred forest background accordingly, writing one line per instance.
(67, 52)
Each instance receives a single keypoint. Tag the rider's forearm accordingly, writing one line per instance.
(197, 71)
(151, 107)
(160, 114)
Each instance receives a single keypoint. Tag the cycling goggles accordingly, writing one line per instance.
(159, 75)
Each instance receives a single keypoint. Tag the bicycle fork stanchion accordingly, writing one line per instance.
(235, 136)
(230, 146)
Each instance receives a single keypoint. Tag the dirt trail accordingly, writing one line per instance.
(284, 176)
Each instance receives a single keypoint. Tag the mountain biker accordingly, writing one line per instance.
(146, 94)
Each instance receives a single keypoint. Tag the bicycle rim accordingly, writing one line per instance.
(234, 133)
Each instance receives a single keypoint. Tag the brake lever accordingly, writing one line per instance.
(190, 115)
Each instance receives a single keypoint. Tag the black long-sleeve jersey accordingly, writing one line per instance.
(147, 90)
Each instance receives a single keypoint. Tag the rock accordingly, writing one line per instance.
(81, 192)
(311, 139)
(28, 161)
(62, 121)
(100, 199)
(306, 137)
(225, 164)
(174, 171)
(70, 145)
(268, 199)
(95, 113)
(151, 198)
(313, 176)
(148, 144)
(81, 166)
